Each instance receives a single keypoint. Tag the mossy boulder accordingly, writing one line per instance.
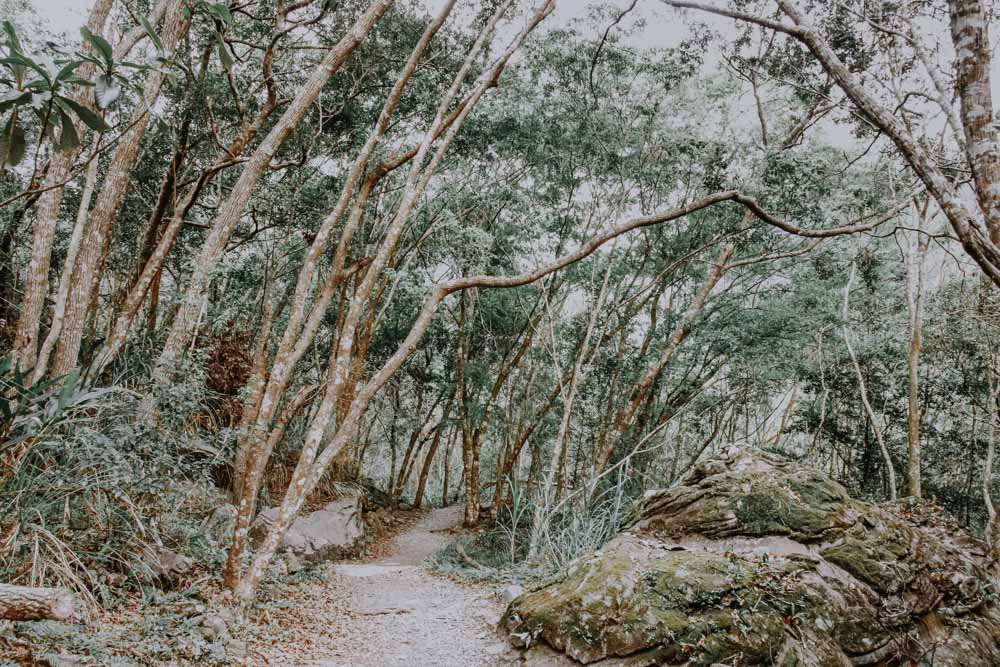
(756, 560)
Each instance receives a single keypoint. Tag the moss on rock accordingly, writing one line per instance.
(757, 560)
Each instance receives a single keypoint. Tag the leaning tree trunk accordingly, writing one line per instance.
(183, 329)
(84, 276)
(60, 170)
(625, 417)
(24, 603)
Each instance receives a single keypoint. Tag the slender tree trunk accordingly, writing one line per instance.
(446, 464)
(425, 469)
(915, 265)
(785, 414)
(85, 276)
(36, 286)
(862, 389)
(193, 303)
(625, 417)
(298, 336)
(471, 511)
(63, 293)
(993, 428)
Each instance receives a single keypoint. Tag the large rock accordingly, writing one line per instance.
(753, 559)
(335, 531)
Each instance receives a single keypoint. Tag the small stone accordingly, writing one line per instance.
(510, 592)
(164, 563)
(214, 628)
(220, 524)
(292, 563)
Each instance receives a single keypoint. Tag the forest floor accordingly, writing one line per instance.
(390, 610)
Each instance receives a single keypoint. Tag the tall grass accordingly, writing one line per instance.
(518, 547)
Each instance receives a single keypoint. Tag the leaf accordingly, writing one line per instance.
(106, 91)
(224, 56)
(12, 39)
(221, 11)
(12, 144)
(68, 69)
(90, 119)
(68, 138)
(69, 386)
(19, 63)
(152, 33)
(14, 100)
(100, 45)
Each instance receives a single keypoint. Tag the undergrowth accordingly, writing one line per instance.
(87, 486)
(572, 527)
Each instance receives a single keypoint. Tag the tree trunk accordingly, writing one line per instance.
(85, 276)
(993, 414)
(23, 603)
(425, 469)
(446, 464)
(863, 390)
(627, 414)
(915, 305)
(36, 285)
(230, 211)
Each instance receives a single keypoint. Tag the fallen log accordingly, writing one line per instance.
(23, 603)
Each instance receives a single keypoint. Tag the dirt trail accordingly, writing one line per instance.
(394, 612)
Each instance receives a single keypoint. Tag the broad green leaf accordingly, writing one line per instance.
(100, 45)
(67, 70)
(13, 100)
(12, 38)
(222, 12)
(224, 56)
(152, 33)
(20, 63)
(68, 138)
(12, 145)
(90, 119)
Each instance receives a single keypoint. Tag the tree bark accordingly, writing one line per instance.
(183, 329)
(915, 266)
(85, 276)
(23, 603)
(36, 286)
(425, 469)
(627, 414)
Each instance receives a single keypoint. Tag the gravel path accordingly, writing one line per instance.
(393, 612)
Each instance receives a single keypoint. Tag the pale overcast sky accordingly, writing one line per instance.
(663, 27)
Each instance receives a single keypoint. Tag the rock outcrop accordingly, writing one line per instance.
(755, 560)
(335, 531)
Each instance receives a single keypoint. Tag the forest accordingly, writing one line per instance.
(499, 332)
